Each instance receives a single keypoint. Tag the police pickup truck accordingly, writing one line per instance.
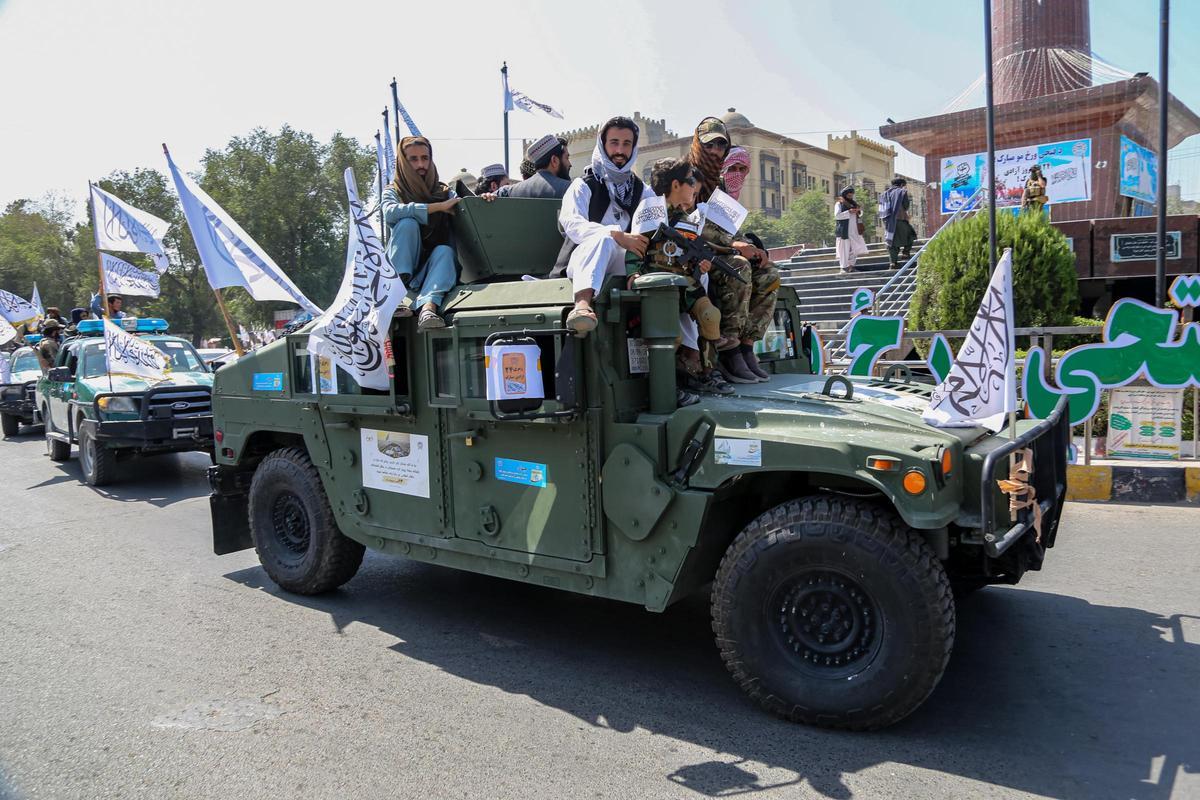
(18, 405)
(114, 416)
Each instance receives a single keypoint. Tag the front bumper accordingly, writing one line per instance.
(1048, 440)
(155, 435)
(21, 405)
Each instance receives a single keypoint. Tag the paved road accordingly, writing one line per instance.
(134, 663)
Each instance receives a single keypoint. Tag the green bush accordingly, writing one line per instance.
(952, 273)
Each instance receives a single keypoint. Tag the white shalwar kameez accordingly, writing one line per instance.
(848, 250)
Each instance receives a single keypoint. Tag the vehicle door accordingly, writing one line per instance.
(386, 460)
(527, 485)
(60, 392)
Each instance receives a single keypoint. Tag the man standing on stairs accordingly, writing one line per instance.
(899, 232)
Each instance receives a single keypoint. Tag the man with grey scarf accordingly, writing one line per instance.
(595, 218)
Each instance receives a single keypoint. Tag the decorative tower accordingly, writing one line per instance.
(1041, 47)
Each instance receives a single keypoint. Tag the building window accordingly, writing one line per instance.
(799, 175)
(825, 186)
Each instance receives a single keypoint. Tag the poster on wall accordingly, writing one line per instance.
(1066, 165)
(1139, 172)
(1144, 422)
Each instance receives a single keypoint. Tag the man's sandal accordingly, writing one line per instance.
(582, 320)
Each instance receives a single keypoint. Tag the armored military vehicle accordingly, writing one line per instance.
(113, 417)
(18, 405)
(827, 521)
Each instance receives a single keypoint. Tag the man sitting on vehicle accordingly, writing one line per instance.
(47, 348)
(549, 157)
(492, 178)
(418, 208)
(595, 218)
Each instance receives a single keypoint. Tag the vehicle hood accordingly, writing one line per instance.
(125, 383)
(25, 376)
(793, 408)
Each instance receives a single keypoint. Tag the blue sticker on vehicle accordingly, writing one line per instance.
(528, 473)
(268, 382)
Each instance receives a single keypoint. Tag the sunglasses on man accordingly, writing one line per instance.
(715, 144)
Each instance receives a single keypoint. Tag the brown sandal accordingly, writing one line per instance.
(582, 320)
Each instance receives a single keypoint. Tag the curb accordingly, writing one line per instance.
(1133, 484)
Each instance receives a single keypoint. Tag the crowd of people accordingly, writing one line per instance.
(52, 328)
(722, 316)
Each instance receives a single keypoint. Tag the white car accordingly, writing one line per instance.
(214, 354)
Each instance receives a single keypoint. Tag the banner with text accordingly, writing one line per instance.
(1067, 167)
(121, 277)
(1139, 171)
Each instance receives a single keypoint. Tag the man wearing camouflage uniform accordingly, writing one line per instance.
(746, 308)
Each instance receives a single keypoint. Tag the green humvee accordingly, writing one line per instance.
(828, 520)
(113, 417)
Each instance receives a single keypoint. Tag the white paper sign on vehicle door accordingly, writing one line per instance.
(395, 462)
(514, 372)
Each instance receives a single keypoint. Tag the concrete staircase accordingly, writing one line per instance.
(825, 291)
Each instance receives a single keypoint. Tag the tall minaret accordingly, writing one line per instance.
(1041, 47)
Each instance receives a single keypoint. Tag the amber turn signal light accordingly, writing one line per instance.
(947, 461)
(883, 463)
(914, 481)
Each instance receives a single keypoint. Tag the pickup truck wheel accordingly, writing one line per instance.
(298, 543)
(99, 464)
(58, 451)
(10, 424)
(832, 612)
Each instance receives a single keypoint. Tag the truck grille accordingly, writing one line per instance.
(181, 403)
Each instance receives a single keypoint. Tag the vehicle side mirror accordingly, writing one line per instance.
(59, 375)
(216, 365)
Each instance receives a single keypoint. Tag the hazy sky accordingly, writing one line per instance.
(90, 87)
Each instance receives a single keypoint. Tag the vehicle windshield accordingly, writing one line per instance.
(25, 361)
(181, 356)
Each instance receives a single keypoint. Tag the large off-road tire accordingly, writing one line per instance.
(98, 463)
(831, 611)
(10, 424)
(298, 543)
(58, 451)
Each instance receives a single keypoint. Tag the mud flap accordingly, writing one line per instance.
(229, 505)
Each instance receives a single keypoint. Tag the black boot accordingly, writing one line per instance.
(751, 361)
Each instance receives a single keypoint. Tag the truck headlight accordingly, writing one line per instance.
(118, 405)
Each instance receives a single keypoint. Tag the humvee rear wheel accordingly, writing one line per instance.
(297, 541)
(832, 612)
(10, 424)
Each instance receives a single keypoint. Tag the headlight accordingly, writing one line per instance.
(118, 405)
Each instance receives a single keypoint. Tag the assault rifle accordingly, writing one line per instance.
(697, 250)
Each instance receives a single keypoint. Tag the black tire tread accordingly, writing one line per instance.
(104, 460)
(58, 451)
(342, 555)
(10, 424)
(856, 517)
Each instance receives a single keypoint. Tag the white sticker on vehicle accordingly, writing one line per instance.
(639, 356)
(740, 452)
(395, 462)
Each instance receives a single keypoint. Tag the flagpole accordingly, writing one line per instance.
(396, 108)
(237, 343)
(991, 136)
(99, 255)
(504, 72)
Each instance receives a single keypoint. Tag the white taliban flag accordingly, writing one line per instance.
(16, 309)
(981, 388)
(35, 300)
(121, 277)
(120, 226)
(354, 331)
(7, 332)
(126, 354)
(230, 257)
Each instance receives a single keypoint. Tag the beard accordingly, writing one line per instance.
(619, 160)
(564, 172)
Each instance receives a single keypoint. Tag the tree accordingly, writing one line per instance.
(286, 190)
(34, 249)
(766, 229)
(952, 273)
(807, 220)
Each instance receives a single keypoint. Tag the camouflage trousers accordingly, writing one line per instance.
(746, 308)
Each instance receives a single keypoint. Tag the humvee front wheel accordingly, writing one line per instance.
(831, 611)
(298, 543)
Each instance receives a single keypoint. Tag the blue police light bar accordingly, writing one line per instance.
(95, 327)
(32, 338)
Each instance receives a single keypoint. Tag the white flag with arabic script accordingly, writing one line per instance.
(16, 309)
(119, 226)
(121, 277)
(354, 331)
(126, 354)
(981, 388)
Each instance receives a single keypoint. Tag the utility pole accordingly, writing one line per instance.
(991, 136)
(1164, 98)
